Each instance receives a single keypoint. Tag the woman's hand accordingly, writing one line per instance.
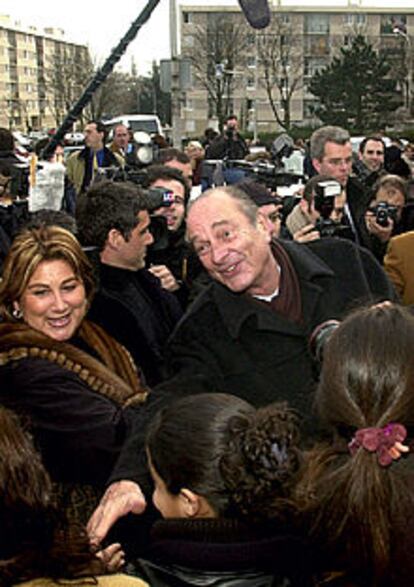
(113, 557)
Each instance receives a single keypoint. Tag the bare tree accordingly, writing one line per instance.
(65, 78)
(217, 57)
(280, 54)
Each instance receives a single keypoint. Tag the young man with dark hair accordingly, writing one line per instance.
(130, 303)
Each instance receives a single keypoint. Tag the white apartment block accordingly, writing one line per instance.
(30, 93)
(313, 33)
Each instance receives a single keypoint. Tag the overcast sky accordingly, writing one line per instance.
(101, 24)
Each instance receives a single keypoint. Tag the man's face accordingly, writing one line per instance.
(121, 137)
(272, 214)
(174, 214)
(232, 123)
(185, 169)
(93, 138)
(373, 155)
(234, 251)
(336, 162)
(132, 252)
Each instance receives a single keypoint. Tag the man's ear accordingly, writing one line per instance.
(114, 239)
(263, 224)
(317, 165)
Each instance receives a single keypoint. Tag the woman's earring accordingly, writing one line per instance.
(17, 313)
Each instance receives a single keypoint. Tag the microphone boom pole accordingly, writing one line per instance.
(101, 75)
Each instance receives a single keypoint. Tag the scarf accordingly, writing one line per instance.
(113, 376)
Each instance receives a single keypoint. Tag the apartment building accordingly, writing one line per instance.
(40, 74)
(309, 34)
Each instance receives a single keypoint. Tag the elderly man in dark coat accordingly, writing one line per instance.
(249, 332)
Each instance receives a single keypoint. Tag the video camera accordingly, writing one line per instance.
(383, 213)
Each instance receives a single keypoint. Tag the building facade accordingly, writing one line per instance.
(281, 59)
(40, 75)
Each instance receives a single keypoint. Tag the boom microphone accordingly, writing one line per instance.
(257, 12)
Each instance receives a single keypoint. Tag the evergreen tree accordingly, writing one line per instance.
(356, 91)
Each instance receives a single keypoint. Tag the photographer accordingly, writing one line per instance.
(229, 145)
(173, 262)
(320, 212)
(383, 216)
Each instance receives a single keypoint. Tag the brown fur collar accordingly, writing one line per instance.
(115, 376)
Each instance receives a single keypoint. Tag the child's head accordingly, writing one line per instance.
(214, 455)
(368, 371)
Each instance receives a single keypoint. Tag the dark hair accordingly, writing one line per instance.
(35, 539)
(46, 217)
(6, 140)
(391, 183)
(172, 154)
(243, 461)
(41, 144)
(100, 127)
(166, 173)
(364, 141)
(109, 205)
(367, 380)
(231, 117)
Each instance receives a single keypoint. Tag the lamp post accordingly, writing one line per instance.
(409, 62)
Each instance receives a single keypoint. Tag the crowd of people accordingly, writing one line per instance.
(208, 386)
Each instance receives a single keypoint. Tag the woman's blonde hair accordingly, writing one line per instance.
(30, 248)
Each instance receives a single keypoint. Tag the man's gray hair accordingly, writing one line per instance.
(245, 203)
(325, 134)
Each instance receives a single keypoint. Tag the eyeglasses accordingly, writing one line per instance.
(338, 162)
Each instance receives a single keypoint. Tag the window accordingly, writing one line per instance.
(317, 45)
(251, 85)
(187, 17)
(251, 61)
(317, 23)
(313, 65)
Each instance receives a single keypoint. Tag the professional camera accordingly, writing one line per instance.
(325, 193)
(383, 212)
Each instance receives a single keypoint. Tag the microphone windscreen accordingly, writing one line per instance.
(257, 12)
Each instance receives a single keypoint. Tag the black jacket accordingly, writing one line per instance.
(224, 553)
(137, 312)
(229, 342)
(227, 147)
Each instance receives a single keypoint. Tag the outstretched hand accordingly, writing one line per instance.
(112, 557)
(121, 498)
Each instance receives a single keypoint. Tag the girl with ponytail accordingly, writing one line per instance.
(361, 484)
(224, 475)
